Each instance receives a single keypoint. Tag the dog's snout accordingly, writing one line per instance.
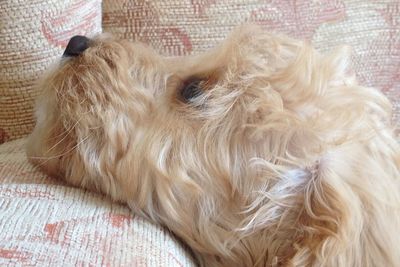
(76, 46)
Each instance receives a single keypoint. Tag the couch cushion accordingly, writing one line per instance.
(43, 222)
(15, 169)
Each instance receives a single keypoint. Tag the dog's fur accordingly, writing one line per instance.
(278, 158)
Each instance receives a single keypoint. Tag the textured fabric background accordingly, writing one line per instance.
(178, 27)
(32, 34)
(43, 222)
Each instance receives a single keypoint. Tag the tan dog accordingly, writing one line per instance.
(260, 152)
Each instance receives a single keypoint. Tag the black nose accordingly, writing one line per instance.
(76, 46)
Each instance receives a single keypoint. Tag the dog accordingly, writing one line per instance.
(259, 152)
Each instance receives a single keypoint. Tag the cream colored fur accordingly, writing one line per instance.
(282, 160)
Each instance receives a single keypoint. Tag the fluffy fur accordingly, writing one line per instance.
(278, 159)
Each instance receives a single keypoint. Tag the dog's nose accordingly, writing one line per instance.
(76, 46)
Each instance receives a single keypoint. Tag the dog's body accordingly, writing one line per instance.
(260, 152)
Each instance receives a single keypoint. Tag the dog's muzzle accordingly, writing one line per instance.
(76, 46)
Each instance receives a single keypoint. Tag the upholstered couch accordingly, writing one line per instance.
(45, 222)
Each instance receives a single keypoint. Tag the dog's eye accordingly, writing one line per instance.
(191, 88)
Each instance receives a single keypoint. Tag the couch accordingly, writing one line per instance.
(45, 222)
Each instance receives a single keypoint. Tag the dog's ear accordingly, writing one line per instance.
(327, 209)
(311, 206)
(345, 205)
(332, 210)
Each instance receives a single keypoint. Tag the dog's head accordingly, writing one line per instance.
(110, 105)
(219, 145)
